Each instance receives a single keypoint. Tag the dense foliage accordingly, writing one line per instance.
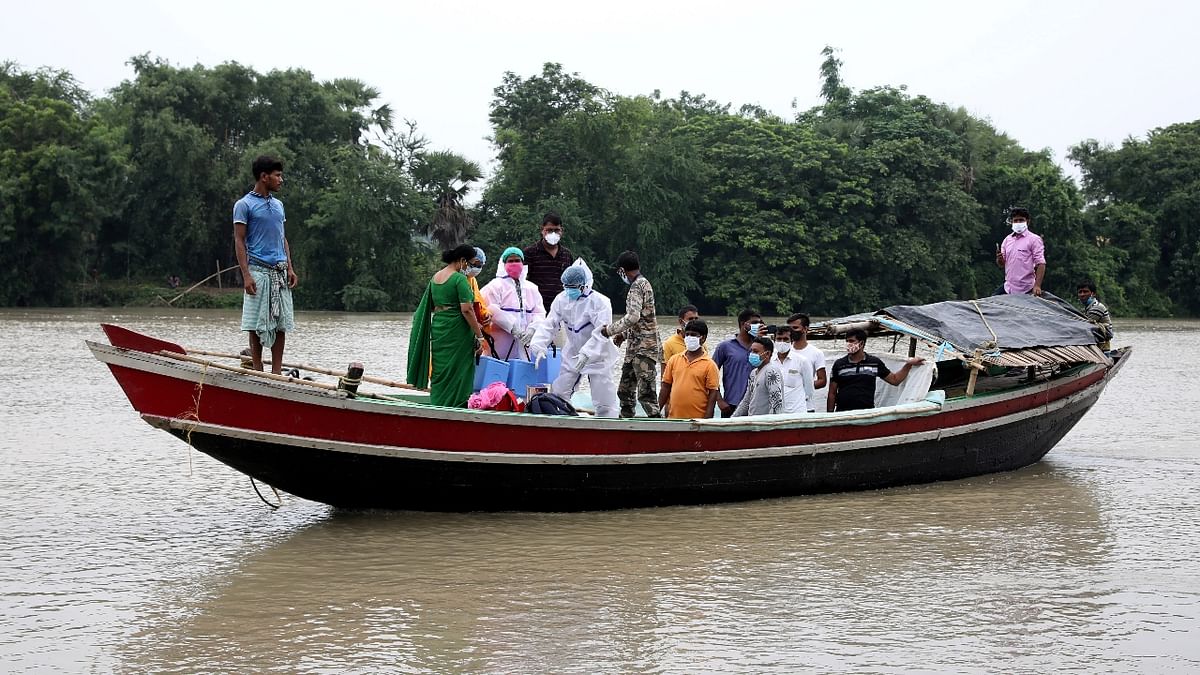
(873, 198)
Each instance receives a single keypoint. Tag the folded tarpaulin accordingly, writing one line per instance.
(999, 321)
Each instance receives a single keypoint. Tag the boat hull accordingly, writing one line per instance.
(363, 454)
(364, 481)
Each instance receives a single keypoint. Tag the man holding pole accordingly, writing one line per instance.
(266, 263)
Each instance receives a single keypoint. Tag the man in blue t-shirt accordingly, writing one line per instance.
(266, 262)
(733, 358)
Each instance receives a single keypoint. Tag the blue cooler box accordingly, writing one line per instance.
(522, 374)
(547, 370)
(490, 370)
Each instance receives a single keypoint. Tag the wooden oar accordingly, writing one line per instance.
(316, 369)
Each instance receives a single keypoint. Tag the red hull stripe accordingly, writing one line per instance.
(899, 443)
(186, 392)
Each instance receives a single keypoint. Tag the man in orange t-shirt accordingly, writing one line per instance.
(690, 380)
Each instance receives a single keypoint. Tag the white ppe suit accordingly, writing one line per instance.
(587, 352)
(514, 314)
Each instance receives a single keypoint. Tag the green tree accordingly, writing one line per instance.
(1143, 202)
(446, 179)
(61, 180)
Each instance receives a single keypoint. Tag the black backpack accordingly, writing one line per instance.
(546, 403)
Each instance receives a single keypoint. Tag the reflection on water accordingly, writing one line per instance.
(749, 586)
(125, 552)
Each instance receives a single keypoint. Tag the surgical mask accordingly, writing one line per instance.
(692, 342)
(755, 360)
(1019, 228)
(553, 238)
(1090, 300)
(514, 269)
(574, 293)
(624, 277)
(853, 347)
(473, 271)
(783, 347)
(754, 328)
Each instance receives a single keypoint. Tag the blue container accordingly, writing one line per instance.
(548, 369)
(490, 370)
(522, 374)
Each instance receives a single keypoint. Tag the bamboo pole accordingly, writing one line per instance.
(972, 380)
(218, 266)
(316, 369)
(258, 373)
(198, 283)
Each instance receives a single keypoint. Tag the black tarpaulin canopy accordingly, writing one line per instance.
(1005, 322)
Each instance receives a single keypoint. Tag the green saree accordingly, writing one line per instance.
(444, 339)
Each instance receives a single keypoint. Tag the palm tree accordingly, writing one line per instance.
(447, 178)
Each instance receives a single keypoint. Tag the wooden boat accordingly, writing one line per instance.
(399, 452)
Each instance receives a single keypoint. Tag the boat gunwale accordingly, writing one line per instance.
(195, 373)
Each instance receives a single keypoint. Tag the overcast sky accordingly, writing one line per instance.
(1047, 73)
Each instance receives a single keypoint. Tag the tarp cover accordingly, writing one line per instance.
(1019, 322)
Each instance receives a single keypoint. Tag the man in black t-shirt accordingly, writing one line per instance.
(852, 378)
(546, 260)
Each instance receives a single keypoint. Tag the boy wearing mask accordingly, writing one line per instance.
(674, 344)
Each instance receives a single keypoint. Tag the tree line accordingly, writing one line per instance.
(875, 197)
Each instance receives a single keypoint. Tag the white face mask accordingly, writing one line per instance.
(472, 271)
(1019, 228)
(553, 238)
(783, 347)
(691, 342)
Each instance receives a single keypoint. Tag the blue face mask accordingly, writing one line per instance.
(755, 360)
(574, 293)
(754, 328)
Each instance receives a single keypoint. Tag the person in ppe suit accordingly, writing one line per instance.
(516, 306)
(582, 312)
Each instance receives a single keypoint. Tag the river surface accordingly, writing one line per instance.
(124, 551)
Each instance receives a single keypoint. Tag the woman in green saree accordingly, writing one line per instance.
(445, 335)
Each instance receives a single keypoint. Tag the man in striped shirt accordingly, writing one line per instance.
(1097, 313)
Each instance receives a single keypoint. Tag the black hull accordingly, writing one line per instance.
(357, 481)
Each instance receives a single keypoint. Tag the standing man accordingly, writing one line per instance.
(690, 381)
(266, 261)
(1022, 256)
(797, 372)
(546, 260)
(639, 372)
(799, 323)
(732, 357)
(852, 386)
(1097, 313)
(675, 344)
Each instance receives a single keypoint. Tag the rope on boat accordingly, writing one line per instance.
(194, 415)
(264, 499)
(995, 339)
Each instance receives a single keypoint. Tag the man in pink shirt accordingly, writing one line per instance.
(1022, 255)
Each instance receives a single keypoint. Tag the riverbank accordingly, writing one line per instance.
(150, 294)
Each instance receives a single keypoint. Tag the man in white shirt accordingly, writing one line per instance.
(798, 323)
(797, 372)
